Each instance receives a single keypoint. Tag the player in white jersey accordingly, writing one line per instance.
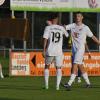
(53, 40)
(79, 32)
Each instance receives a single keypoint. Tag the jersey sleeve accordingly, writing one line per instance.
(88, 32)
(46, 33)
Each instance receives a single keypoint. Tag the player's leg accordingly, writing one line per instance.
(72, 62)
(1, 73)
(73, 75)
(80, 73)
(84, 74)
(48, 61)
(46, 76)
(77, 60)
(59, 63)
(82, 69)
(79, 76)
(73, 68)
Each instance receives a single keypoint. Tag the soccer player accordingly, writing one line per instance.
(1, 74)
(79, 32)
(52, 51)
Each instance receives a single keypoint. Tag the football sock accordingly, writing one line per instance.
(59, 75)
(1, 74)
(72, 78)
(85, 76)
(46, 77)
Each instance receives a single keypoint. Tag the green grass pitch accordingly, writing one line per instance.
(31, 88)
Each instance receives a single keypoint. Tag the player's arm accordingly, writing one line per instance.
(66, 34)
(87, 49)
(44, 46)
(45, 40)
(95, 40)
(90, 34)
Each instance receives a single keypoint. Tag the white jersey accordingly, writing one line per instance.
(79, 34)
(54, 34)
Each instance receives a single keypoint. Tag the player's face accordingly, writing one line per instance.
(78, 18)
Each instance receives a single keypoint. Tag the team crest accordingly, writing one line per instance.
(92, 3)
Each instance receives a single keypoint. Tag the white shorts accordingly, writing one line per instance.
(78, 56)
(58, 60)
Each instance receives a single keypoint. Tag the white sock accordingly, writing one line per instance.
(85, 76)
(1, 74)
(72, 78)
(59, 75)
(46, 76)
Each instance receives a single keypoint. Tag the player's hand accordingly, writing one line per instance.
(64, 26)
(43, 54)
(89, 55)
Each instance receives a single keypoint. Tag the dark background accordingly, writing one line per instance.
(39, 23)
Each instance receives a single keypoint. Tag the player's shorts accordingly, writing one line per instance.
(78, 56)
(58, 60)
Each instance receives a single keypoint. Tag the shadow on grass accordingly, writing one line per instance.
(4, 98)
(24, 87)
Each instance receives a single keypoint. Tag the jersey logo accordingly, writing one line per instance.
(76, 35)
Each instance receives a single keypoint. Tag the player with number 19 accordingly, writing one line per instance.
(52, 51)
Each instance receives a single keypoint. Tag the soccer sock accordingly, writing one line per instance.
(85, 76)
(46, 76)
(1, 74)
(59, 75)
(72, 78)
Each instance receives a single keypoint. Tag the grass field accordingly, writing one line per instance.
(31, 88)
